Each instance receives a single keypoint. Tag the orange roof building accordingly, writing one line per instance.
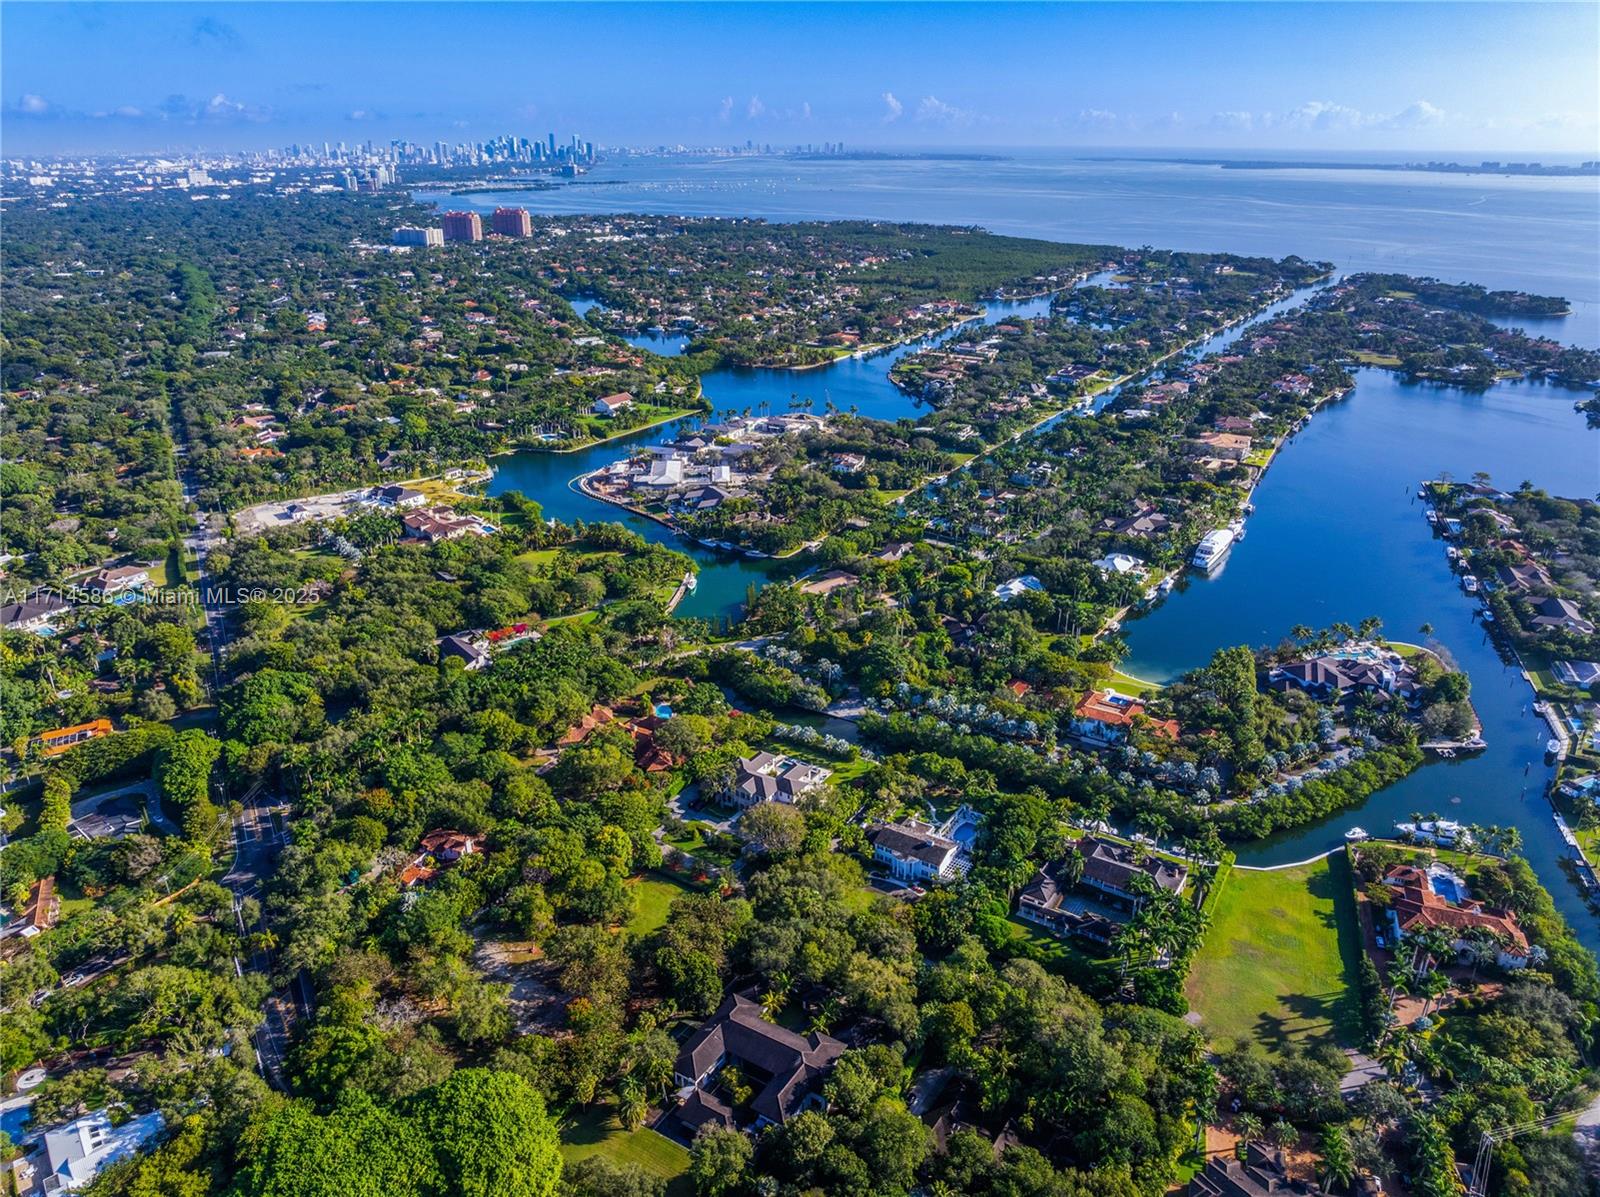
(58, 740)
(1105, 717)
(1418, 907)
(583, 728)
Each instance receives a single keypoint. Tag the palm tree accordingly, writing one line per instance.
(827, 1014)
(1283, 1134)
(1434, 986)
(1300, 632)
(632, 1105)
(1338, 1162)
(1249, 1130)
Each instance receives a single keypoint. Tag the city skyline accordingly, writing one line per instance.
(146, 78)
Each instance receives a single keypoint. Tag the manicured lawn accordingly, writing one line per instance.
(655, 896)
(597, 1132)
(1059, 956)
(1134, 687)
(1279, 961)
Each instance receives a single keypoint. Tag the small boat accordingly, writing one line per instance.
(1469, 583)
(1552, 747)
(691, 582)
(1453, 553)
(1431, 516)
(1356, 835)
(1488, 615)
(754, 553)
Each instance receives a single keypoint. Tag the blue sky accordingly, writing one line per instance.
(1502, 77)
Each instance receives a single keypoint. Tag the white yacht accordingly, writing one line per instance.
(1213, 549)
(1356, 835)
(1444, 832)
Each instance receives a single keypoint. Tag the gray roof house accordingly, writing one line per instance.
(784, 1068)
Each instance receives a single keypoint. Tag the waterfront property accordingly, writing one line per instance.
(1434, 897)
(1355, 669)
(1104, 717)
(1279, 961)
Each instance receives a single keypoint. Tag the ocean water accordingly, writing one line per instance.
(1528, 233)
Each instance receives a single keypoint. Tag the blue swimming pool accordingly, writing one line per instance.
(13, 1121)
(663, 710)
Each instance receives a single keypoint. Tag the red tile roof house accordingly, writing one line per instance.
(434, 524)
(439, 847)
(1417, 907)
(1104, 717)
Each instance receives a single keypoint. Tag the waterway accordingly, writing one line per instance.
(858, 383)
(1337, 534)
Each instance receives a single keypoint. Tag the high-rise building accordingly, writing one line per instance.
(513, 222)
(463, 226)
(411, 235)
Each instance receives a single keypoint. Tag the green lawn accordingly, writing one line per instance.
(1279, 962)
(655, 894)
(597, 1132)
(1134, 687)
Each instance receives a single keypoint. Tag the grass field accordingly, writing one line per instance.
(1279, 962)
(1134, 687)
(597, 1132)
(654, 895)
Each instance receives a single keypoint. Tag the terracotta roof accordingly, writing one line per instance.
(1116, 710)
(1416, 907)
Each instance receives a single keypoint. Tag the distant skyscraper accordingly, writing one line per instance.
(463, 226)
(513, 222)
(552, 145)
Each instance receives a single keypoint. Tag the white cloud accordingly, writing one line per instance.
(805, 110)
(33, 105)
(933, 110)
(1417, 115)
(892, 108)
(755, 109)
(1330, 117)
(358, 114)
(128, 110)
(1323, 116)
(1097, 118)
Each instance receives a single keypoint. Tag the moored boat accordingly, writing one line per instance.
(1213, 549)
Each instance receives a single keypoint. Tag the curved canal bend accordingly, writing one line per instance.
(1338, 535)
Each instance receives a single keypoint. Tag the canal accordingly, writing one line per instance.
(1338, 536)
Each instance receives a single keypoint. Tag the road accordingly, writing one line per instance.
(259, 830)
